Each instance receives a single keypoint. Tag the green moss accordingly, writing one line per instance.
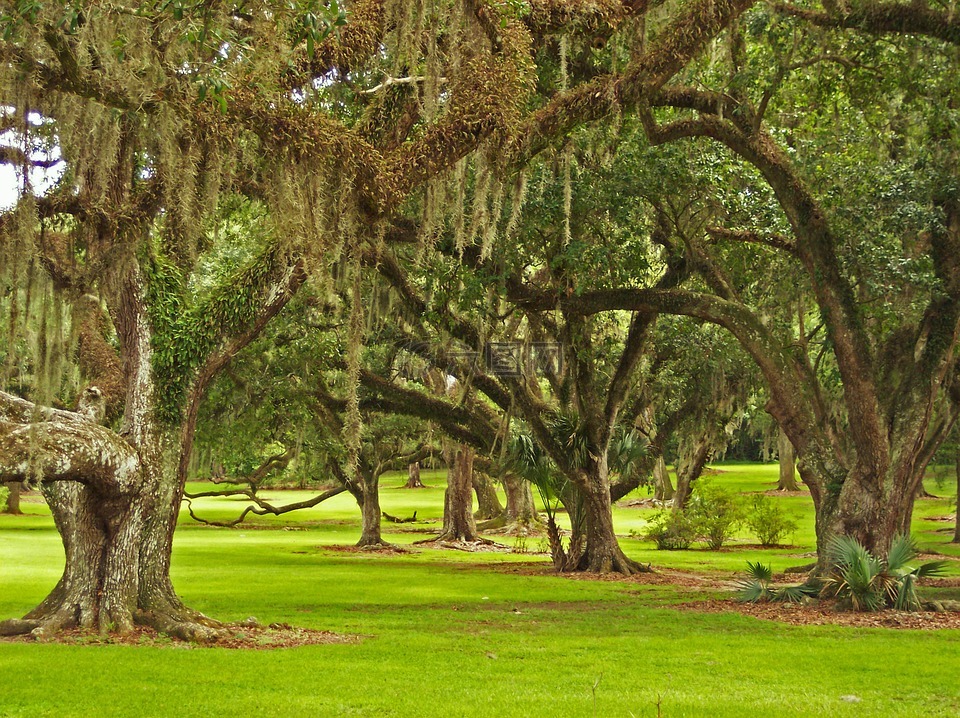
(186, 332)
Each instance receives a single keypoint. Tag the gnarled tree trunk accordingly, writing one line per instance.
(488, 503)
(458, 521)
(601, 551)
(663, 488)
(413, 476)
(521, 511)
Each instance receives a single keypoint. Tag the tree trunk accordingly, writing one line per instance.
(521, 511)
(413, 476)
(956, 518)
(488, 503)
(869, 509)
(602, 552)
(458, 521)
(370, 511)
(689, 467)
(13, 498)
(117, 546)
(663, 487)
(115, 500)
(788, 464)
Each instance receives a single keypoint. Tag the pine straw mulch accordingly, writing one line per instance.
(238, 636)
(825, 613)
(818, 613)
(484, 546)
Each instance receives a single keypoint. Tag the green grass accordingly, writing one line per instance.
(457, 634)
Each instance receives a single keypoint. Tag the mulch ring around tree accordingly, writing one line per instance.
(825, 613)
(239, 636)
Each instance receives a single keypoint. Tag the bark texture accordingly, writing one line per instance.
(458, 521)
(13, 498)
(788, 464)
(370, 511)
(663, 487)
(488, 502)
(413, 476)
(693, 459)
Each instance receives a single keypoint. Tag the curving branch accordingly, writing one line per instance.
(262, 507)
(280, 288)
(883, 18)
(72, 450)
(606, 95)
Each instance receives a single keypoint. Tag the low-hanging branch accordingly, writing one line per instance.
(262, 507)
(43, 444)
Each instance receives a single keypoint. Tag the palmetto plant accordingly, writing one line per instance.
(868, 583)
(531, 463)
(756, 587)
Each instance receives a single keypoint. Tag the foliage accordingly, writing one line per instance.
(716, 512)
(4, 493)
(673, 530)
(767, 519)
(756, 587)
(532, 464)
(865, 582)
(574, 629)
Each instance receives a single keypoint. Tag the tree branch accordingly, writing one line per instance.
(884, 18)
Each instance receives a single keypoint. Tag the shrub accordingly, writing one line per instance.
(768, 521)
(717, 512)
(867, 583)
(672, 530)
(756, 587)
(4, 492)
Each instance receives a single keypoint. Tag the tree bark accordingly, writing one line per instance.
(663, 487)
(413, 476)
(488, 503)
(13, 498)
(458, 521)
(114, 498)
(956, 518)
(602, 552)
(370, 511)
(788, 464)
(521, 510)
(689, 467)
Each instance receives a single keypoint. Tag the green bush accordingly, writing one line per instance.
(757, 588)
(864, 582)
(716, 512)
(4, 493)
(672, 530)
(768, 521)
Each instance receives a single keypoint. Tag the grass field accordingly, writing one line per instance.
(448, 633)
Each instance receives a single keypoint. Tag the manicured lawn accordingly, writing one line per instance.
(458, 634)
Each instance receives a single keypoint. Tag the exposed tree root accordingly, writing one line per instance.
(18, 627)
(374, 543)
(384, 547)
(530, 529)
(183, 627)
(615, 562)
